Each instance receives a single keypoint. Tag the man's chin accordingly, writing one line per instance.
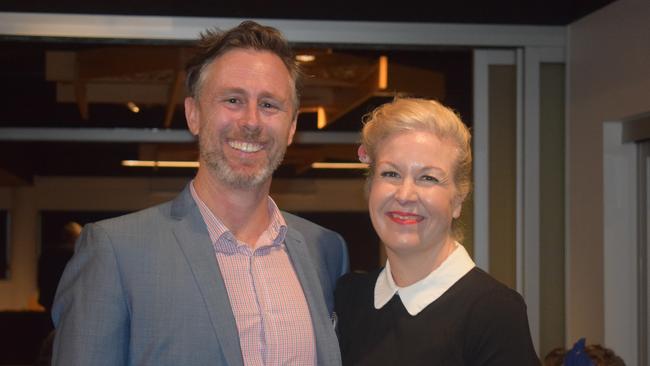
(239, 174)
(243, 180)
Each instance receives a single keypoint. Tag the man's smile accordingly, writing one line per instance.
(249, 147)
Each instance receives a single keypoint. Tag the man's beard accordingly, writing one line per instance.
(218, 165)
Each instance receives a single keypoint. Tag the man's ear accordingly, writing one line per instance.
(192, 115)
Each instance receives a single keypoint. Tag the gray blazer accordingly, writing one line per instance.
(145, 289)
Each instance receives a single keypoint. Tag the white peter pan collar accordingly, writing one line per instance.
(419, 295)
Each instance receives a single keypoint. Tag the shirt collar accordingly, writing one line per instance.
(419, 295)
(273, 235)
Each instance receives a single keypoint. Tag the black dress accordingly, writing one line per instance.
(477, 321)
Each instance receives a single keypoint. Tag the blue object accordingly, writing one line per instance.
(577, 355)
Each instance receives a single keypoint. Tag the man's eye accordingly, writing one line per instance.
(267, 105)
(232, 100)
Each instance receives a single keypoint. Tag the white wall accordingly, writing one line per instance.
(608, 79)
(19, 292)
(620, 241)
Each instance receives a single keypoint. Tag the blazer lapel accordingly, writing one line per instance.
(193, 238)
(326, 341)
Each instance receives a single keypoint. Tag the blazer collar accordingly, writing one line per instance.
(327, 347)
(193, 238)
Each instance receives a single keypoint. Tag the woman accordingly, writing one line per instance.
(430, 305)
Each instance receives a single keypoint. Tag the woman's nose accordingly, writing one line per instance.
(406, 192)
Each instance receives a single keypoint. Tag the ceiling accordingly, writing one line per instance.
(539, 12)
(87, 84)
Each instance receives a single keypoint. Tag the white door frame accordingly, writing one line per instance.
(527, 61)
(621, 236)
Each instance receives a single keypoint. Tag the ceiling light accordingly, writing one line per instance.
(321, 118)
(383, 72)
(133, 107)
(305, 58)
(160, 164)
(321, 165)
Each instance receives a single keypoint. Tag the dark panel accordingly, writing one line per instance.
(356, 229)
(4, 243)
(21, 335)
(52, 223)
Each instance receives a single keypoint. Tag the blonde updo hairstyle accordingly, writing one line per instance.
(416, 114)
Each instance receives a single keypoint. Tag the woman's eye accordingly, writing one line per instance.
(429, 178)
(389, 174)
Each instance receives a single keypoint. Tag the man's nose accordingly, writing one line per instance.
(250, 118)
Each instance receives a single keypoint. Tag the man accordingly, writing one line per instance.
(218, 276)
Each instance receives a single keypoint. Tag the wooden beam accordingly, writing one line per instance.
(9, 179)
(129, 61)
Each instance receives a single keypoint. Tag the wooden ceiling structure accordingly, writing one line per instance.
(334, 84)
(88, 84)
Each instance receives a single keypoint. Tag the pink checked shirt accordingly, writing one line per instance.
(267, 300)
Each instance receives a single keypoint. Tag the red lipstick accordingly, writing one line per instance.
(404, 218)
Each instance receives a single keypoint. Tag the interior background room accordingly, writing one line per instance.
(556, 212)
